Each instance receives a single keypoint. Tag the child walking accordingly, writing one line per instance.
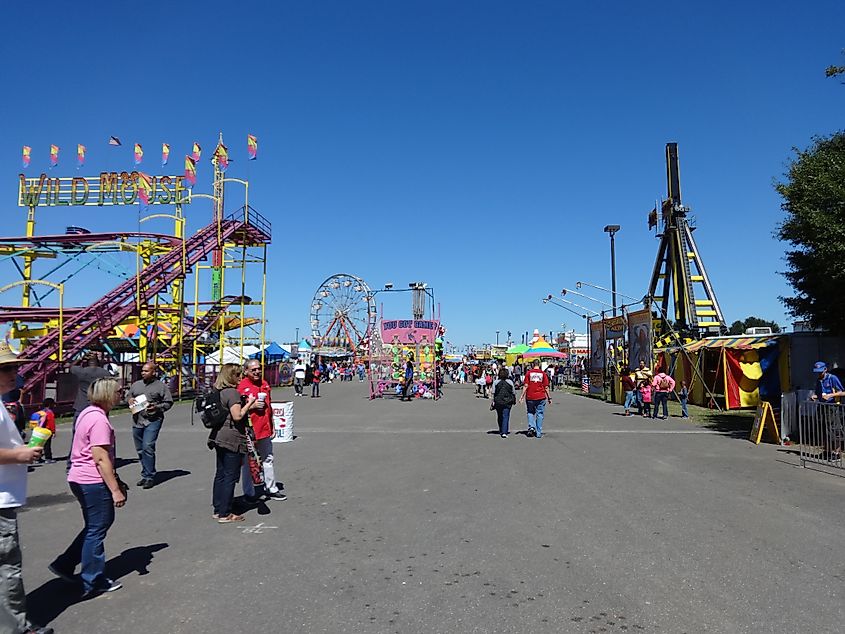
(45, 417)
(645, 397)
(683, 396)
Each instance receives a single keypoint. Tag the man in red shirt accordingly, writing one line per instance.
(535, 393)
(261, 420)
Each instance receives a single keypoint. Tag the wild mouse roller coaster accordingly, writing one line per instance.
(146, 316)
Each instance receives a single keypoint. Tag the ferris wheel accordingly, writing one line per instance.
(343, 312)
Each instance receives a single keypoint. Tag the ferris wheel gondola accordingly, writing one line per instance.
(343, 313)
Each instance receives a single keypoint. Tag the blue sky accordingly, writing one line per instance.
(479, 146)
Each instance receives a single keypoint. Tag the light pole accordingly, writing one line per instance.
(497, 337)
(297, 335)
(612, 229)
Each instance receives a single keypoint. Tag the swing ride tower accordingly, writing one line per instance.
(679, 283)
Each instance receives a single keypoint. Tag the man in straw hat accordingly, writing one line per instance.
(14, 457)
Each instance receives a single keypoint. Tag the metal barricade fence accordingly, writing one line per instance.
(821, 433)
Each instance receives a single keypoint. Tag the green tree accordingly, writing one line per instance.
(834, 71)
(739, 327)
(814, 202)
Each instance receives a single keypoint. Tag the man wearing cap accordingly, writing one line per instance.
(261, 421)
(828, 386)
(14, 457)
(535, 393)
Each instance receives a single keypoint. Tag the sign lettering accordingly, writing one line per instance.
(109, 188)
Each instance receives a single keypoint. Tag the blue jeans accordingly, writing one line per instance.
(630, 399)
(503, 416)
(535, 415)
(661, 398)
(225, 479)
(315, 390)
(145, 444)
(88, 549)
(684, 411)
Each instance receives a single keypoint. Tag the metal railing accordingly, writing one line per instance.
(821, 433)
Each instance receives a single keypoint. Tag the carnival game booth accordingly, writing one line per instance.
(738, 372)
(402, 340)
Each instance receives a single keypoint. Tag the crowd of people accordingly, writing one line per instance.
(242, 444)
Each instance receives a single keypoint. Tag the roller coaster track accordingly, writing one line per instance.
(96, 322)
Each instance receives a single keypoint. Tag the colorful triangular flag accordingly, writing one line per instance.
(165, 154)
(113, 140)
(190, 171)
(139, 154)
(252, 146)
(27, 155)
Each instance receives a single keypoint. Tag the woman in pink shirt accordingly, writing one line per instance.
(96, 485)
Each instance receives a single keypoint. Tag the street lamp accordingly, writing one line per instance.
(497, 337)
(612, 229)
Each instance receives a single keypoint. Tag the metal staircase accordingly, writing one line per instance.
(97, 321)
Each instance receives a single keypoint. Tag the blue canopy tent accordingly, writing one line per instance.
(272, 353)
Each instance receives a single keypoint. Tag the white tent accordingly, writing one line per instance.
(231, 354)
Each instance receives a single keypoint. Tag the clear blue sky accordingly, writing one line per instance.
(479, 146)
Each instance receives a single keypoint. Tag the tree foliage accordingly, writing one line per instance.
(739, 327)
(814, 202)
(834, 71)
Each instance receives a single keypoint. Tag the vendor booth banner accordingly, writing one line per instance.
(409, 331)
(596, 345)
(614, 327)
(639, 337)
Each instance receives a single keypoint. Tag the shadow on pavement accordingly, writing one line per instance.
(48, 601)
(164, 476)
(122, 462)
(731, 425)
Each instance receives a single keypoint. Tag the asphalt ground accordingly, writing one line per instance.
(418, 517)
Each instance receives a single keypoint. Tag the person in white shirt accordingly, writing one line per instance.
(14, 456)
(299, 371)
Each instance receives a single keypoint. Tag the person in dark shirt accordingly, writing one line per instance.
(630, 388)
(86, 372)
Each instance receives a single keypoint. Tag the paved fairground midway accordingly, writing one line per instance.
(418, 517)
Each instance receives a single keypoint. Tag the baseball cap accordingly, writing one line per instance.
(819, 366)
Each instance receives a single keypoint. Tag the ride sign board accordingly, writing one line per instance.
(109, 188)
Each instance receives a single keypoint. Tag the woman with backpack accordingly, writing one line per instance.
(229, 442)
(504, 397)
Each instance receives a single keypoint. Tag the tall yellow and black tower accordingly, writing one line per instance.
(679, 282)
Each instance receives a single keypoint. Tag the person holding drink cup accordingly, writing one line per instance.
(14, 458)
(97, 487)
(261, 421)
